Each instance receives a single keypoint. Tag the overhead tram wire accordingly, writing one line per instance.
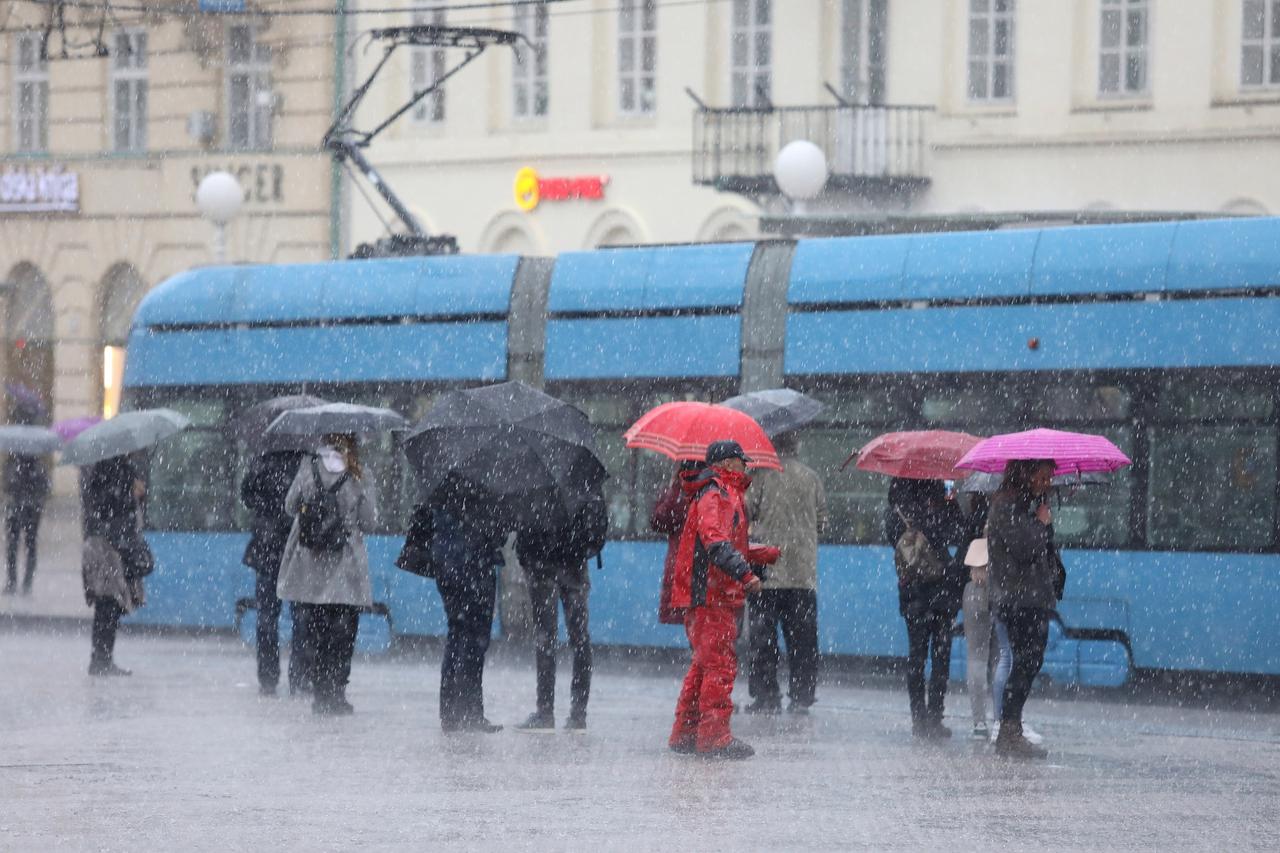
(109, 6)
(102, 5)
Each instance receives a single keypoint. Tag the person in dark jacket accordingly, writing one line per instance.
(26, 483)
(263, 491)
(111, 495)
(716, 568)
(668, 518)
(466, 551)
(1024, 587)
(928, 607)
(553, 576)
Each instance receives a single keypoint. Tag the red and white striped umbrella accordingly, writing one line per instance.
(1071, 452)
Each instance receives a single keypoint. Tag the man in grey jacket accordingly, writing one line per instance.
(788, 509)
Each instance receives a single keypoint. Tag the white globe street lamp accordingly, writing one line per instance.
(219, 198)
(801, 171)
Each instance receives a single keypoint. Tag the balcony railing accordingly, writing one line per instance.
(869, 149)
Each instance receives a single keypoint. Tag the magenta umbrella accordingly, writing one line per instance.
(72, 427)
(1072, 452)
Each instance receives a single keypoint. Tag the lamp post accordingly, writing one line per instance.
(219, 198)
(801, 172)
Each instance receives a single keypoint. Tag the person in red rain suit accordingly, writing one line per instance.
(712, 575)
(668, 517)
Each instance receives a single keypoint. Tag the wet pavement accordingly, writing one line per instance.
(186, 755)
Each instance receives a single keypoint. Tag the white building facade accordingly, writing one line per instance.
(923, 108)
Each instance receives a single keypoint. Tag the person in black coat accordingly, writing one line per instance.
(928, 607)
(111, 495)
(465, 550)
(26, 482)
(262, 491)
(556, 574)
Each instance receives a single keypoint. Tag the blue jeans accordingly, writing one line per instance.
(1004, 665)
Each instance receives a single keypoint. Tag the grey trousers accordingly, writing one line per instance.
(977, 640)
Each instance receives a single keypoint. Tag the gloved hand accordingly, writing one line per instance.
(762, 554)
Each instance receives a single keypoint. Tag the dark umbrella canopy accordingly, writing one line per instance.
(532, 454)
(251, 426)
(777, 410)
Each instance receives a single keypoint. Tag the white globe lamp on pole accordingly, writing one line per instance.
(219, 198)
(801, 172)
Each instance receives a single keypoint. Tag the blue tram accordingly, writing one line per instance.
(1161, 336)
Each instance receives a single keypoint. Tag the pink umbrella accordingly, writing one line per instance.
(1072, 452)
(72, 427)
(918, 455)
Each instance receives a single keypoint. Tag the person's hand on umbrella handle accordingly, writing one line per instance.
(752, 586)
(1044, 515)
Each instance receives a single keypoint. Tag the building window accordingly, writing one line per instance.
(1260, 43)
(425, 70)
(129, 91)
(991, 50)
(751, 50)
(530, 95)
(250, 101)
(637, 56)
(1122, 47)
(864, 42)
(30, 94)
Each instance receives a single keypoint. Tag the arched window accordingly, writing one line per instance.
(28, 346)
(122, 290)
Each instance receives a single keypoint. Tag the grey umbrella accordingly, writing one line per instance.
(28, 440)
(988, 484)
(335, 418)
(251, 426)
(125, 433)
(777, 410)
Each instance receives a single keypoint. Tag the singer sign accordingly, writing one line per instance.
(531, 189)
(39, 190)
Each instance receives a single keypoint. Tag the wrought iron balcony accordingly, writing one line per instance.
(872, 150)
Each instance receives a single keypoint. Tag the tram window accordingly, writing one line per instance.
(1212, 487)
(1209, 396)
(1071, 401)
(882, 403)
(855, 499)
(1097, 516)
(191, 482)
(956, 402)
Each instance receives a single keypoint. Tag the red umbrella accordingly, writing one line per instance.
(682, 430)
(921, 455)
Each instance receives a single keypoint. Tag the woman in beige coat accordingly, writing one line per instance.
(325, 572)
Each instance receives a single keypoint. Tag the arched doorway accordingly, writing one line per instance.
(122, 290)
(28, 346)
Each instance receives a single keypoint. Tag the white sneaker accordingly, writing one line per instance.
(995, 731)
(1032, 736)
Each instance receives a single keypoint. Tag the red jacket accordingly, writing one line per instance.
(711, 564)
(668, 517)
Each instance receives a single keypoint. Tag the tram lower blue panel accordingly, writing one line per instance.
(1189, 611)
(197, 580)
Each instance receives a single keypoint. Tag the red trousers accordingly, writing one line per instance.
(702, 714)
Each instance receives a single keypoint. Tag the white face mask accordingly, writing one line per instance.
(333, 461)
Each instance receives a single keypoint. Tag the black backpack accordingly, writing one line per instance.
(583, 539)
(320, 526)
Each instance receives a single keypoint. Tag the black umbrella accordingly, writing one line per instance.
(251, 426)
(531, 455)
(777, 410)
